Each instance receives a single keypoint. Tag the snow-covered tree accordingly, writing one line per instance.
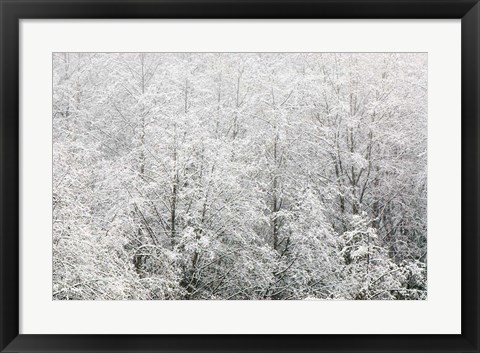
(239, 176)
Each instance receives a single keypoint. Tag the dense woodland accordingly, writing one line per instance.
(239, 176)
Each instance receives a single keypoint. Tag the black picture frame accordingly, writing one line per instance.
(13, 10)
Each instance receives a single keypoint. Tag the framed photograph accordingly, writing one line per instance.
(230, 176)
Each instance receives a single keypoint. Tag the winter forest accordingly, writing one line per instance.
(232, 176)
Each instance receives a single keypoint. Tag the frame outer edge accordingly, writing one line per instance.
(9, 173)
(470, 174)
(9, 161)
